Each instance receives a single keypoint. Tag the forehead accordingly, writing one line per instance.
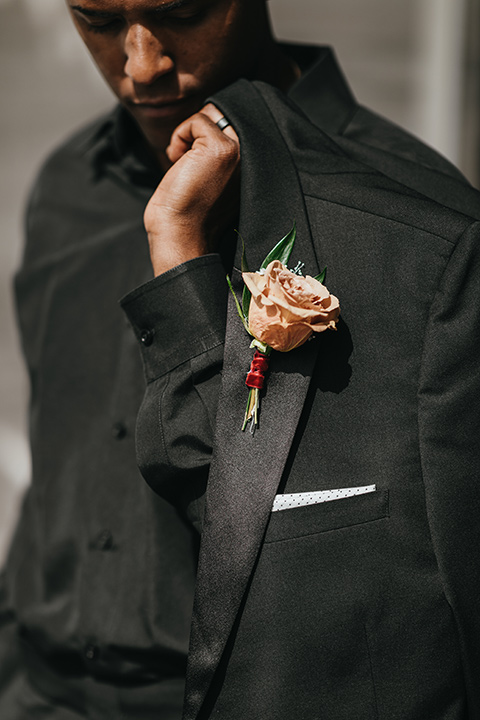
(129, 6)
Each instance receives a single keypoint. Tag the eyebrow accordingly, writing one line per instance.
(161, 9)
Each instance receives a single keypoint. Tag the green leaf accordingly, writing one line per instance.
(246, 298)
(282, 250)
(239, 309)
(247, 295)
(244, 263)
(322, 276)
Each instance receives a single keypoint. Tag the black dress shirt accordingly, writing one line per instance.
(101, 571)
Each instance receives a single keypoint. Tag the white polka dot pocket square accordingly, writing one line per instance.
(295, 500)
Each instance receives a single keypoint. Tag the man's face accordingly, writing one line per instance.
(162, 58)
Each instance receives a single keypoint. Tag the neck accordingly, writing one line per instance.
(277, 68)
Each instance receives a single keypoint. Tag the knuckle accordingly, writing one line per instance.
(227, 151)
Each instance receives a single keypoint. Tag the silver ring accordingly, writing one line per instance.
(222, 123)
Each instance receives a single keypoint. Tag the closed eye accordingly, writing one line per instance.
(184, 17)
(95, 20)
(104, 27)
(99, 22)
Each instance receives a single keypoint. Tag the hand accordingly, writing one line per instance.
(198, 197)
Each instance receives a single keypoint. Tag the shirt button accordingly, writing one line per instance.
(119, 430)
(91, 652)
(146, 337)
(104, 540)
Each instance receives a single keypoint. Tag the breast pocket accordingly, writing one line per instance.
(342, 510)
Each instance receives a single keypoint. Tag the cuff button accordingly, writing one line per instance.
(146, 337)
(91, 653)
(119, 431)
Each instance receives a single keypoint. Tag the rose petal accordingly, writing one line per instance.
(255, 282)
(280, 336)
(287, 308)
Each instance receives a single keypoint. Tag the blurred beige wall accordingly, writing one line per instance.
(404, 58)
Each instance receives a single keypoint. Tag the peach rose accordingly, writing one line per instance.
(286, 309)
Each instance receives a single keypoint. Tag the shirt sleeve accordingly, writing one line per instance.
(179, 321)
(10, 662)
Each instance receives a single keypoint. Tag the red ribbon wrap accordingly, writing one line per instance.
(258, 367)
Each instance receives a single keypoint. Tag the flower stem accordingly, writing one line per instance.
(239, 309)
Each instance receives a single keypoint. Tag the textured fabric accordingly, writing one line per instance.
(359, 608)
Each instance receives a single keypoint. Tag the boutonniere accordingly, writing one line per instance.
(281, 309)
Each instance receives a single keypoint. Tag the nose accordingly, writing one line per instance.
(146, 57)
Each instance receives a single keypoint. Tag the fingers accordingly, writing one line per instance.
(198, 197)
(214, 114)
(200, 129)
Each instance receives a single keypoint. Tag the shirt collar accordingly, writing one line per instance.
(322, 91)
(118, 149)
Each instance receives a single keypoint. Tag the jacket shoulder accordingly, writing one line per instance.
(369, 128)
(399, 155)
(375, 144)
(399, 178)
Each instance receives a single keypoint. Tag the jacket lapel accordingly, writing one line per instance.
(246, 470)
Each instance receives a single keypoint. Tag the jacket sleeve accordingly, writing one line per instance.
(449, 427)
(179, 321)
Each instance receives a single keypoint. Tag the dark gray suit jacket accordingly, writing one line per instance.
(364, 607)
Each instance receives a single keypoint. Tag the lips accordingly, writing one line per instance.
(159, 108)
(157, 103)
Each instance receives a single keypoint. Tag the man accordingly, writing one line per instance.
(363, 607)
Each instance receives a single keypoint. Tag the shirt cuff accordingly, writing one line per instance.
(179, 314)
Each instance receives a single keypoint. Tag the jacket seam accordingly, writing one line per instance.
(393, 220)
(335, 529)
